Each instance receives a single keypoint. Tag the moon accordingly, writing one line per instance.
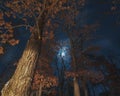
(62, 53)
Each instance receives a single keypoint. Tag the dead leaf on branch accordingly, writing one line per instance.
(1, 50)
(2, 22)
(1, 15)
(13, 42)
(51, 35)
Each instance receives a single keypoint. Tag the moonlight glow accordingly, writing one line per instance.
(62, 53)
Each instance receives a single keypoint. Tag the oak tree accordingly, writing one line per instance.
(41, 12)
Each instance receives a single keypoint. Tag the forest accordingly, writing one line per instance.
(59, 47)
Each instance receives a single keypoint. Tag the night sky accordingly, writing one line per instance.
(108, 33)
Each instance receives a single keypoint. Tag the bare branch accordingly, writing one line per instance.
(17, 26)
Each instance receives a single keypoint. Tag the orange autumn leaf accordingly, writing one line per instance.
(1, 50)
(48, 23)
(51, 35)
(43, 40)
(45, 80)
(2, 22)
(1, 15)
(3, 41)
(11, 30)
(7, 24)
(11, 35)
(46, 32)
(13, 42)
(7, 14)
(14, 16)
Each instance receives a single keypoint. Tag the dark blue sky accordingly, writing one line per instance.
(108, 32)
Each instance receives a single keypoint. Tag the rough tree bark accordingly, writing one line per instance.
(76, 87)
(20, 82)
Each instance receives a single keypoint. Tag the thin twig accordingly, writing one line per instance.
(17, 26)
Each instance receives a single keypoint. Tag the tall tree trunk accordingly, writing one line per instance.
(85, 88)
(76, 87)
(84, 85)
(60, 91)
(40, 90)
(68, 89)
(85, 91)
(20, 82)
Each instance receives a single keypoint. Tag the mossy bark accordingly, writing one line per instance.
(20, 82)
